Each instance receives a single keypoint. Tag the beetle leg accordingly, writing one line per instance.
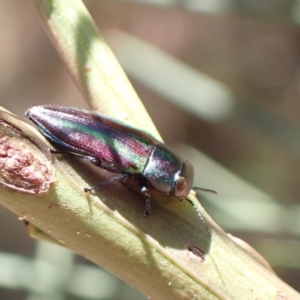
(144, 190)
(55, 152)
(94, 160)
(147, 207)
(112, 180)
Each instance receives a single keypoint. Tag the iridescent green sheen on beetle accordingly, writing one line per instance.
(117, 148)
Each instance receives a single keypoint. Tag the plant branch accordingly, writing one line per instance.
(167, 256)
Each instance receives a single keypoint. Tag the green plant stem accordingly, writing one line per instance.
(90, 61)
(108, 227)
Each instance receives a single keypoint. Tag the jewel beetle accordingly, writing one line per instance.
(117, 148)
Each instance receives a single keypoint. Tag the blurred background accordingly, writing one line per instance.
(221, 81)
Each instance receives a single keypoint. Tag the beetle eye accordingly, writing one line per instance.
(181, 189)
(184, 181)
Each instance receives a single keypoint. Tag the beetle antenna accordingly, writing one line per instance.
(200, 215)
(204, 190)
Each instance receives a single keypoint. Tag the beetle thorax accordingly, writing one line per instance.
(168, 173)
(163, 168)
